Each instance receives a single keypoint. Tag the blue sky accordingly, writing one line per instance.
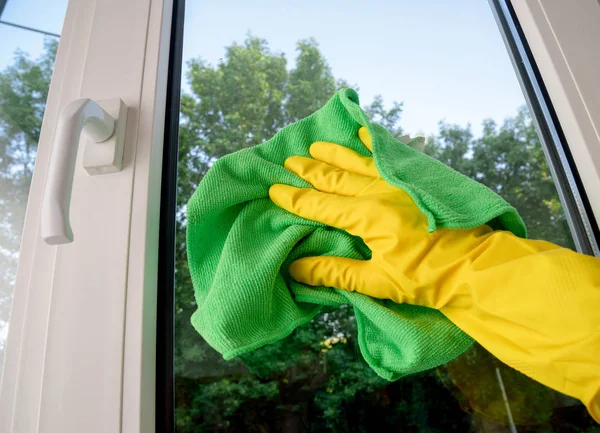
(444, 60)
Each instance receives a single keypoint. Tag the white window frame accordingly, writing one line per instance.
(80, 353)
(564, 37)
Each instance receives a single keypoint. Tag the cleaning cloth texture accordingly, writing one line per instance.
(240, 245)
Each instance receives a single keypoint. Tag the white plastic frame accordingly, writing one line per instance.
(564, 37)
(81, 348)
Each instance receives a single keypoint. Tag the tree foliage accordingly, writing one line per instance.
(315, 380)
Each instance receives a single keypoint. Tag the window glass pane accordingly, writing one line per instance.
(435, 68)
(26, 62)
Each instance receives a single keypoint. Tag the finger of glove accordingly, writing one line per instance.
(365, 138)
(344, 158)
(338, 272)
(327, 178)
(329, 209)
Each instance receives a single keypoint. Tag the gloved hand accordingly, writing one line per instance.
(533, 304)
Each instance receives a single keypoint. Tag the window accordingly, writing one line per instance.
(95, 334)
(435, 69)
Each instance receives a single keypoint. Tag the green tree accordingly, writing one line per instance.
(388, 118)
(310, 83)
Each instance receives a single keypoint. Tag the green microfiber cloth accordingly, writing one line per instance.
(240, 245)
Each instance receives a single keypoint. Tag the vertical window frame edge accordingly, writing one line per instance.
(165, 398)
(562, 166)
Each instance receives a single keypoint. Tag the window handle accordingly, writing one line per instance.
(103, 124)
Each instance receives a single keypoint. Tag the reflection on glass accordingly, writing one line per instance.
(240, 90)
(26, 63)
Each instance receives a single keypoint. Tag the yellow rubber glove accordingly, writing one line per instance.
(532, 304)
